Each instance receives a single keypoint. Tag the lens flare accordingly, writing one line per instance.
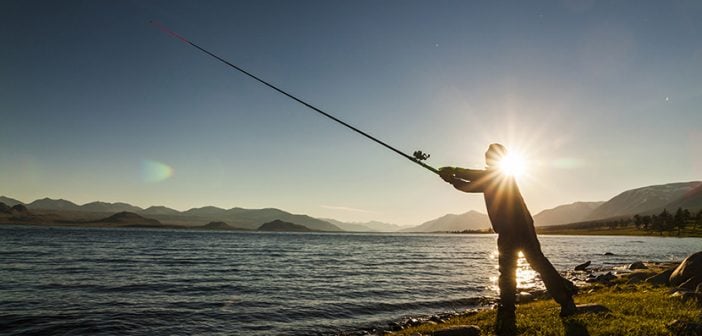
(154, 171)
(513, 164)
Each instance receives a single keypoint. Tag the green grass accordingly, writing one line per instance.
(636, 310)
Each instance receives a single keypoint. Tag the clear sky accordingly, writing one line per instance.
(97, 105)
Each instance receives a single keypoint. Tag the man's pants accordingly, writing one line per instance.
(508, 246)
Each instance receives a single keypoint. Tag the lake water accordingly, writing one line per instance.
(167, 282)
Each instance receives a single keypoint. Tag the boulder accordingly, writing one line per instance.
(637, 265)
(609, 254)
(662, 278)
(582, 266)
(689, 272)
(691, 283)
(459, 330)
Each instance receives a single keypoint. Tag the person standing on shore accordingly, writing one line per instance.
(514, 225)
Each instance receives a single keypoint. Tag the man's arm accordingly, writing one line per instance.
(463, 179)
(469, 174)
(466, 186)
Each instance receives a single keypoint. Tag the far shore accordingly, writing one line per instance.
(568, 232)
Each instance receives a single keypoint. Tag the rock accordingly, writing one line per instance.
(690, 268)
(394, 326)
(582, 266)
(459, 330)
(637, 277)
(685, 328)
(436, 318)
(691, 283)
(637, 265)
(603, 278)
(413, 322)
(592, 308)
(609, 254)
(524, 297)
(662, 278)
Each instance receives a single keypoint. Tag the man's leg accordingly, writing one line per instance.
(506, 318)
(560, 288)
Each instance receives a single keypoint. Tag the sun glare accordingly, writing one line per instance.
(513, 164)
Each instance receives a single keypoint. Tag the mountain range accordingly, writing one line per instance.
(643, 200)
(372, 226)
(651, 199)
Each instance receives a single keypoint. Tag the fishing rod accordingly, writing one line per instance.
(416, 157)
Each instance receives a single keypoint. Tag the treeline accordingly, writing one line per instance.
(665, 221)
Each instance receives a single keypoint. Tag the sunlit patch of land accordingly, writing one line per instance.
(636, 309)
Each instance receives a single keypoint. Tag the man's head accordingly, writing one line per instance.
(494, 154)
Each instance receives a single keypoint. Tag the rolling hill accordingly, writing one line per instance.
(9, 201)
(128, 219)
(282, 226)
(109, 207)
(567, 213)
(471, 220)
(647, 200)
(53, 204)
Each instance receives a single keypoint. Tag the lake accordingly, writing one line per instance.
(144, 282)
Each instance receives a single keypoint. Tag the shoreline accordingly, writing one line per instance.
(606, 281)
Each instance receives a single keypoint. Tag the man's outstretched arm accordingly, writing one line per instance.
(468, 174)
(461, 182)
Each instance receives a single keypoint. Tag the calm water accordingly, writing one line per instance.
(139, 282)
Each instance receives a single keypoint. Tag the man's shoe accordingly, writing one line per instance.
(568, 309)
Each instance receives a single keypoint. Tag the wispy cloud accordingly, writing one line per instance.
(345, 208)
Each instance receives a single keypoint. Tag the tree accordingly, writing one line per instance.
(679, 220)
(637, 221)
(646, 221)
(666, 221)
(657, 224)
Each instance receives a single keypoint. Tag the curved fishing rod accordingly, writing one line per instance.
(417, 156)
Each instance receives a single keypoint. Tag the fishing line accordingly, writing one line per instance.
(417, 157)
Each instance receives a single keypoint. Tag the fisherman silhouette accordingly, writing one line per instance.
(514, 225)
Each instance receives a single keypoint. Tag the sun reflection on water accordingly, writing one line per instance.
(527, 278)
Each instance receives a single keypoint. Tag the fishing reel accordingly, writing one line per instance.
(420, 156)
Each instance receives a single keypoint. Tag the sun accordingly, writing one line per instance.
(513, 164)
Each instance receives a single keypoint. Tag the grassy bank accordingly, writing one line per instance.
(639, 309)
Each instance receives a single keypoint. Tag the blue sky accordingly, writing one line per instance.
(97, 105)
